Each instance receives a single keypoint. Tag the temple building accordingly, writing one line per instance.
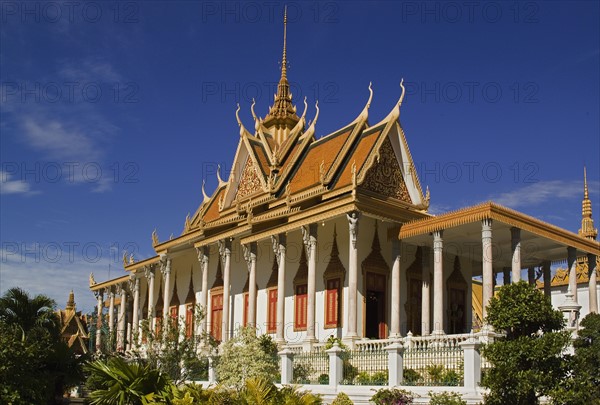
(73, 326)
(316, 236)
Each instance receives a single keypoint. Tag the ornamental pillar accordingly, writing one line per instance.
(203, 259)
(438, 283)
(353, 219)
(425, 291)
(515, 242)
(165, 263)
(135, 284)
(111, 313)
(122, 315)
(309, 237)
(225, 254)
(250, 257)
(592, 286)
(149, 273)
(100, 297)
(395, 312)
(279, 250)
(488, 270)
(570, 307)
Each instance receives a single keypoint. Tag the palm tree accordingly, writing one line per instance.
(18, 309)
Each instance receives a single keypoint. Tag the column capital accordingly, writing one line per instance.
(99, 293)
(353, 218)
(438, 240)
(486, 225)
(165, 264)
(515, 232)
(149, 271)
(249, 251)
(224, 247)
(278, 244)
(202, 253)
(309, 237)
(134, 283)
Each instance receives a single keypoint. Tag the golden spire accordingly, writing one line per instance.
(282, 115)
(587, 223)
(71, 301)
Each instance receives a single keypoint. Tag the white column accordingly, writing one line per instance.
(100, 298)
(352, 277)
(425, 291)
(310, 242)
(572, 262)
(203, 259)
(592, 286)
(225, 253)
(395, 312)
(279, 250)
(149, 271)
(122, 314)
(135, 326)
(515, 241)
(166, 271)
(111, 313)
(250, 257)
(438, 283)
(472, 363)
(488, 269)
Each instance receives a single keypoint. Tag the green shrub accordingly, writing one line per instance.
(392, 396)
(411, 377)
(363, 378)
(380, 378)
(342, 399)
(301, 373)
(324, 379)
(244, 358)
(446, 398)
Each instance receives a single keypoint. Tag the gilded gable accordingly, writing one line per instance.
(385, 176)
(249, 182)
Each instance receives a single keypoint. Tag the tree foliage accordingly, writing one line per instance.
(582, 386)
(36, 366)
(172, 352)
(244, 357)
(527, 363)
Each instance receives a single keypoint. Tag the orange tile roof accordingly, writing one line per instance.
(261, 155)
(212, 211)
(324, 151)
(359, 155)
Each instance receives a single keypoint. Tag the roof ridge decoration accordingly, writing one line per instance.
(587, 229)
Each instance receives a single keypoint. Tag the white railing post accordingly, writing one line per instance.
(212, 371)
(395, 363)
(287, 365)
(472, 363)
(336, 365)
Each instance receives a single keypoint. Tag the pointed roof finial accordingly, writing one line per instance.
(284, 58)
(71, 301)
(282, 115)
(587, 223)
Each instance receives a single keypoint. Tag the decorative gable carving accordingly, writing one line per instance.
(249, 182)
(385, 176)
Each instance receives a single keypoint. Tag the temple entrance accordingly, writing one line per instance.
(375, 326)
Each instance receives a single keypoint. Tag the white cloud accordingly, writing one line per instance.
(59, 141)
(543, 191)
(10, 186)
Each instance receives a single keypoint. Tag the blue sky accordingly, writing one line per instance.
(113, 113)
